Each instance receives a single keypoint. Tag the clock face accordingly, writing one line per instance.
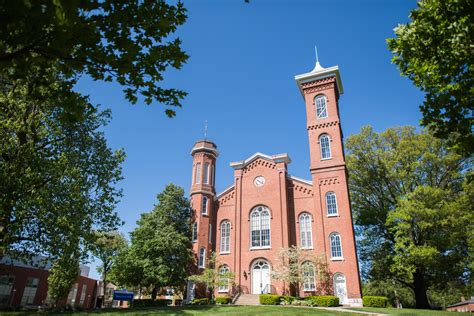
(259, 181)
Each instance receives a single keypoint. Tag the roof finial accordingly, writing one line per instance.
(318, 65)
(205, 130)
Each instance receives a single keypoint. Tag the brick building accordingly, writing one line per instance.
(27, 285)
(267, 209)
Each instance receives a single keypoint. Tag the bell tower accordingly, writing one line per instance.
(321, 89)
(203, 192)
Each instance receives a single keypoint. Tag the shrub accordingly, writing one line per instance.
(223, 300)
(200, 301)
(327, 301)
(287, 299)
(375, 301)
(269, 299)
(151, 303)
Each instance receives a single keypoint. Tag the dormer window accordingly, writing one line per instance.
(321, 108)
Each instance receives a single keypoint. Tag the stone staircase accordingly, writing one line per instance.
(248, 299)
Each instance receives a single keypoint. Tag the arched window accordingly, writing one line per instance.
(195, 232)
(223, 280)
(197, 179)
(336, 248)
(325, 146)
(331, 204)
(321, 109)
(206, 173)
(309, 279)
(305, 231)
(204, 206)
(202, 258)
(225, 237)
(260, 227)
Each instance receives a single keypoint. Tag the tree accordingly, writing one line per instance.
(400, 181)
(63, 274)
(57, 175)
(106, 248)
(295, 264)
(161, 244)
(212, 276)
(434, 50)
(125, 41)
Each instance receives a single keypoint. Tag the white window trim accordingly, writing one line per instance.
(205, 211)
(207, 174)
(197, 180)
(314, 278)
(327, 208)
(194, 240)
(224, 290)
(334, 215)
(270, 229)
(321, 148)
(203, 263)
(325, 104)
(310, 230)
(220, 237)
(341, 257)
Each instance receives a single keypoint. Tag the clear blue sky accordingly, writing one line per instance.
(240, 78)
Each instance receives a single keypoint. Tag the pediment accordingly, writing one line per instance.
(260, 159)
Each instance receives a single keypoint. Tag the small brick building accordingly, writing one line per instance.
(27, 285)
(267, 208)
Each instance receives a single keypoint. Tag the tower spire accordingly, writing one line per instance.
(318, 66)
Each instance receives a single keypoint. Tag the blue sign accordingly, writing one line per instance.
(123, 295)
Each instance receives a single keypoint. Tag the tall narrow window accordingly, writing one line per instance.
(206, 173)
(336, 248)
(30, 291)
(223, 280)
(71, 298)
(325, 146)
(197, 180)
(225, 237)
(321, 109)
(83, 294)
(202, 257)
(309, 280)
(260, 227)
(305, 231)
(210, 233)
(195, 232)
(331, 203)
(6, 284)
(213, 173)
(204, 206)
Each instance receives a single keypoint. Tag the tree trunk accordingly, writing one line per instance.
(420, 290)
(104, 280)
(154, 292)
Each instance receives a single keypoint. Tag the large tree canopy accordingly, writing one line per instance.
(413, 209)
(130, 42)
(160, 250)
(435, 50)
(57, 175)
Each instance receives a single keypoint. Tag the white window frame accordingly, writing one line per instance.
(325, 136)
(309, 277)
(223, 288)
(205, 173)
(202, 257)
(306, 232)
(331, 195)
(194, 234)
(332, 249)
(224, 246)
(197, 177)
(6, 285)
(321, 97)
(205, 205)
(29, 293)
(260, 224)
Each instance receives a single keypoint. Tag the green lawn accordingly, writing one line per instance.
(206, 310)
(408, 311)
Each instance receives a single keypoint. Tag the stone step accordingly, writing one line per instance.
(248, 299)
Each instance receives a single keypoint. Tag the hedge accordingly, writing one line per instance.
(200, 301)
(269, 299)
(150, 302)
(327, 301)
(375, 301)
(287, 299)
(223, 300)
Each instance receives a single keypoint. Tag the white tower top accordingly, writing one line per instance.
(319, 72)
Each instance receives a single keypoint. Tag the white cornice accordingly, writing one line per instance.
(301, 180)
(320, 73)
(274, 158)
(204, 148)
(227, 190)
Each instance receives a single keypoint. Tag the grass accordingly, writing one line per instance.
(408, 311)
(205, 310)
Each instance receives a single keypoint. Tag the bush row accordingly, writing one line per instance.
(150, 302)
(223, 300)
(375, 301)
(200, 301)
(270, 299)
